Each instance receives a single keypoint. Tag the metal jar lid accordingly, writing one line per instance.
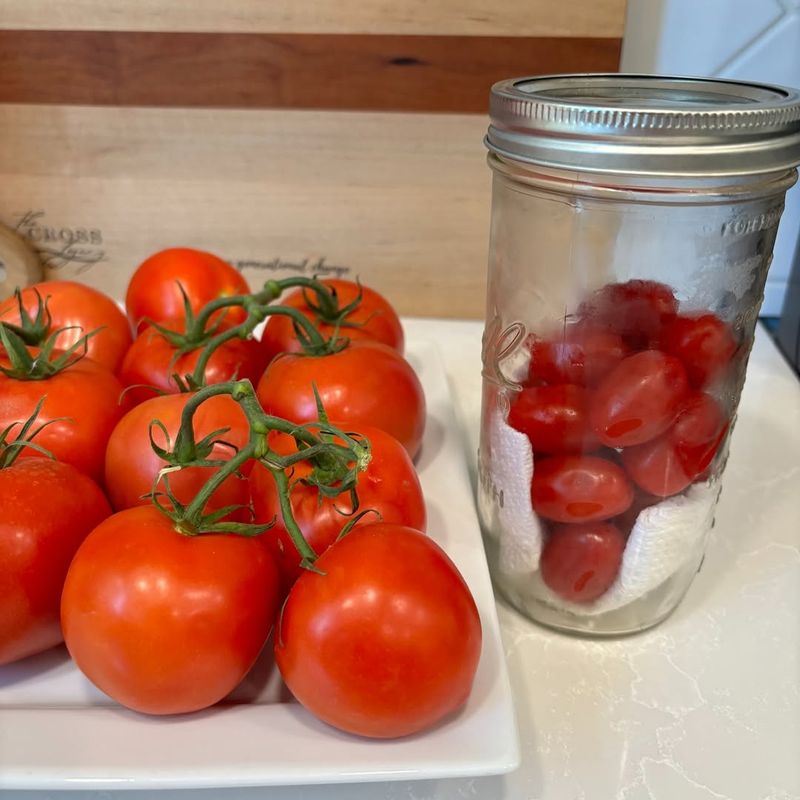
(646, 124)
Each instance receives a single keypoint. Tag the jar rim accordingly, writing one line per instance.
(646, 124)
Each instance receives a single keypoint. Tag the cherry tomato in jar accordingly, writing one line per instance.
(80, 309)
(580, 562)
(554, 418)
(705, 345)
(582, 355)
(389, 487)
(636, 310)
(639, 399)
(162, 622)
(366, 383)
(386, 642)
(579, 489)
(81, 407)
(374, 318)
(152, 361)
(154, 292)
(131, 464)
(656, 467)
(46, 510)
(668, 464)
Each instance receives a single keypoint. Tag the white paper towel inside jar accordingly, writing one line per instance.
(661, 541)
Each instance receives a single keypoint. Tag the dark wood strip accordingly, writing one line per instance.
(327, 71)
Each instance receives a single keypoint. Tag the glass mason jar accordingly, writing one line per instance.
(633, 221)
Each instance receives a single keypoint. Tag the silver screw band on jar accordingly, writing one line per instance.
(645, 125)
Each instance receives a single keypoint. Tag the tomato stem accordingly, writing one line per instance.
(335, 466)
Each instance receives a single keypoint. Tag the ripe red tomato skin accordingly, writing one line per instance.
(151, 361)
(46, 510)
(582, 355)
(82, 309)
(636, 310)
(579, 489)
(704, 343)
(384, 644)
(639, 399)
(374, 319)
(153, 289)
(84, 398)
(389, 486)
(366, 383)
(656, 467)
(554, 418)
(580, 562)
(165, 623)
(131, 464)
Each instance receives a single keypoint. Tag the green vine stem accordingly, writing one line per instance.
(335, 467)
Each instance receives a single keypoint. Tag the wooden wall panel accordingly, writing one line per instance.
(603, 18)
(386, 73)
(400, 199)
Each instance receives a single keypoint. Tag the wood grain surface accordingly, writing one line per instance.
(364, 72)
(604, 18)
(401, 200)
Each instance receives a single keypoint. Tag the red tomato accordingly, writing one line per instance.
(366, 383)
(83, 401)
(82, 309)
(374, 319)
(582, 355)
(705, 345)
(46, 510)
(153, 291)
(636, 309)
(580, 562)
(639, 399)
(389, 485)
(152, 361)
(668, 464)
(656, 467)
(131, 464)
(554, 418)
(162, 622)
(579, 488)
(386, 642)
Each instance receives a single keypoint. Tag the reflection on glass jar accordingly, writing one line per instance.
(630, 243)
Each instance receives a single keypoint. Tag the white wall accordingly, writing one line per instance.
(756, 40)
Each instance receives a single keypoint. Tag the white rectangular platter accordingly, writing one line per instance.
(58, 732)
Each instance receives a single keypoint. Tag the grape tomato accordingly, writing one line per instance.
(704, 343)
(580, 562)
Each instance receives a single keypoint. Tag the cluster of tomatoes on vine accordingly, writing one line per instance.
(172, 486)
(624, 407)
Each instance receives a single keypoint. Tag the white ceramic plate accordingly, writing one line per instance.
(58, 732)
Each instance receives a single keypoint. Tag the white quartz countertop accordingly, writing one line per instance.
(704, 707)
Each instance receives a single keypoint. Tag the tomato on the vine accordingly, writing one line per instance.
(580, 562)
(579, 489)
(78, 309)
(637, 310)
(46, 510)
(384, 643)
(131, 464)
(639, 399)
(554, 418)
(366, 383)
(704, 343)
(581, 355)
(162, 622)
(374, 318)
(389, 487)
(154, 292)
(152, 361)
(81, 407)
